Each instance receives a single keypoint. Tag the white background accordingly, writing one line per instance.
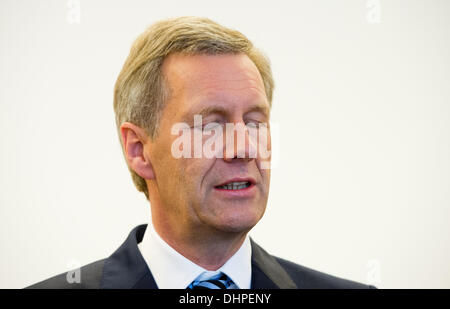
(361, 190)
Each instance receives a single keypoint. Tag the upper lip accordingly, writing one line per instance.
(251, 180)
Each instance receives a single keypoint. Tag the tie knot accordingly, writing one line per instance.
(212, 280)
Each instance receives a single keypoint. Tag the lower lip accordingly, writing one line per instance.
(246, 192)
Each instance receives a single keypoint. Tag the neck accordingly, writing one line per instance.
(206, 247)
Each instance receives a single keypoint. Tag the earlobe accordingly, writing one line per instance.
(134, 140)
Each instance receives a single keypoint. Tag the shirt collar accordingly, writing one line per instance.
(171, 270)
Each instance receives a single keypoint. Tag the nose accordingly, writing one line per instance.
(238, 144)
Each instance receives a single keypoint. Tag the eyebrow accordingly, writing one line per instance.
(210, 110)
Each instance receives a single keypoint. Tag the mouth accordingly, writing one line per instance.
(236, 185)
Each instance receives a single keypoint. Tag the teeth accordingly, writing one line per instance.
(235, 185)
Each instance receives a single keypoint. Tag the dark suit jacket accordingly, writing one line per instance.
(127, 269)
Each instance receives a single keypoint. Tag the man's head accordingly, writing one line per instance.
(179, 68)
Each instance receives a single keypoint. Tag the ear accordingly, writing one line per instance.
(134, 140)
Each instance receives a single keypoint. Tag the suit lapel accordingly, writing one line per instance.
(126, 268)
(267, 273)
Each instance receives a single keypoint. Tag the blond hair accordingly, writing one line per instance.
(141, 89)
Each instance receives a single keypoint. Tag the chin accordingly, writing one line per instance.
(229, 217)
(238, 223)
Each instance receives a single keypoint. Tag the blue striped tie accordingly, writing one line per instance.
(217, 281)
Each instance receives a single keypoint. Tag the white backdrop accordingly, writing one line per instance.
(361, 188)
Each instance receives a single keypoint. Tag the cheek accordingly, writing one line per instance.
(196, 172)
(266, 175)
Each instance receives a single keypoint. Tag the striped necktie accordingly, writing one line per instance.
(214, 281)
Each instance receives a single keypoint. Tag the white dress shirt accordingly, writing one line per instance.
(171, 270)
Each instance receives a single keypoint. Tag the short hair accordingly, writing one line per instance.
(141, 90)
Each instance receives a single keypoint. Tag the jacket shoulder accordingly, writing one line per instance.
(308, 278)
(89, 276)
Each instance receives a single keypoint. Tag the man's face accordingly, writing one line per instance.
(224, 89)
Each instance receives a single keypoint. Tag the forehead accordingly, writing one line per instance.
(215, 78)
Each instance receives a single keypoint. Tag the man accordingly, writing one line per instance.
(184, 79)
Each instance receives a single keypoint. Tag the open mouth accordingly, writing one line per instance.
(235, 185)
